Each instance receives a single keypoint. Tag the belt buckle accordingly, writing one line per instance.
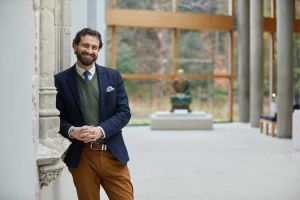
(93, 146)
(96, 146)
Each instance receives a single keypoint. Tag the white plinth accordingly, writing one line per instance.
(164, 120)
(296, 129)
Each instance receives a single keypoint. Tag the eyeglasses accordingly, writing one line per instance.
(88, 46)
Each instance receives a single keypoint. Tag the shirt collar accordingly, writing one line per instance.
(80, 71)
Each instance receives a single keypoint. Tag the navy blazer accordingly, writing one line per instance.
(114, 111)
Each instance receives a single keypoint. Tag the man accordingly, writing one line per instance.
(93, 107)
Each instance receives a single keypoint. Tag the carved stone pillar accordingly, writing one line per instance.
(50, 145)
(63, 22)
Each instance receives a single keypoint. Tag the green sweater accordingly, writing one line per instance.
(89, 99)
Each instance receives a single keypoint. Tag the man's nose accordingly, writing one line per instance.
(89, 49)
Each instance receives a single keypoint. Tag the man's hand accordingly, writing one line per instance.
(87, 133)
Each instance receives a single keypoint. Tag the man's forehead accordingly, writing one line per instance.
(89, 39)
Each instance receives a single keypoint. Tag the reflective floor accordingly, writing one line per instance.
(231, 162)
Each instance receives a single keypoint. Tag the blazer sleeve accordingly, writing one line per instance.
(60, 105)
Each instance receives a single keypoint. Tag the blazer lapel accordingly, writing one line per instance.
(101, 84)
(71, 80)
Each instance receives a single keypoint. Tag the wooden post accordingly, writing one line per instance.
(175, 36)
(231, 79)
(113, 41)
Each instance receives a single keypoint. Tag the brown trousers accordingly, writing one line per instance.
(101, 168)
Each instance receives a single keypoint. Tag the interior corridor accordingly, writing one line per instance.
(234, 161)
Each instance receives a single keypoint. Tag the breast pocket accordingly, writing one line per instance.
(110, 97)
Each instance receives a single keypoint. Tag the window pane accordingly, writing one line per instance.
(267, 73)
(297, 7)
(203, 52)
(268, 8)
(211, 96)
(108, 56)
(297, 69)
(202, 6)
(144, 51)
(205, 6)
(220, 100)
(148, 96)
(162, 5)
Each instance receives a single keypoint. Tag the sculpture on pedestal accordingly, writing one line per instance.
(182, 97)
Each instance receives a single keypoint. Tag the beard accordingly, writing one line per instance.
(85, 61)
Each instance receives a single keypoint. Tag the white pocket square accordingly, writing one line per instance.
(110, 89)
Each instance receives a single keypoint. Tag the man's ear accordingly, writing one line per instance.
(74, 48)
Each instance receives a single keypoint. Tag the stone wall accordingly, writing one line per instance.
(37, 44)
(18, 119)
(62, 187)
(49, 51)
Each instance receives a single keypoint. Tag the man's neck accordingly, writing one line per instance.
(79, 64)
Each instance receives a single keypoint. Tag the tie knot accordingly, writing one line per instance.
(87, 75)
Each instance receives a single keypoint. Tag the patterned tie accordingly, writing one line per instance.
(86, 75)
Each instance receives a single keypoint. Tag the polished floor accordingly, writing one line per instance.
(233, 161)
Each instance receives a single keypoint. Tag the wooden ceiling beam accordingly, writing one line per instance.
(163, 19)
(270, 25)
(194, 21)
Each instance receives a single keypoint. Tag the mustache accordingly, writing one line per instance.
(84, 53)
(86, 61)
(92, 55)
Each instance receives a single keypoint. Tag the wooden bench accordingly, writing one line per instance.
(268, 123)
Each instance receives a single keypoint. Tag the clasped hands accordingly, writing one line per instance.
(87, 133)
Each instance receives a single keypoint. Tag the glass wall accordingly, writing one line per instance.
(297, 6)
(268, 12)
(204, 52)
(147, 96)
(161, 5)
(149, 58)
(220, 7)
(144, 51)
(297, 69)
(150, 51)
(267, 73)
(150, 95)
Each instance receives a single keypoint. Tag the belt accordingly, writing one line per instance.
(98, 146)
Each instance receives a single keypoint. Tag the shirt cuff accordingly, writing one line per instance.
(101, 129)
(70, 131)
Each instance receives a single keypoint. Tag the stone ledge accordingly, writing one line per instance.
(163, 120)
(49, 160)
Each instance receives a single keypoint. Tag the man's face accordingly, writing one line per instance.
(87, 50)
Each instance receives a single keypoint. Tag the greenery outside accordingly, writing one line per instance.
(150, 51)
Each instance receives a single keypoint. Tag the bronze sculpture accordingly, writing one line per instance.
(182, 97)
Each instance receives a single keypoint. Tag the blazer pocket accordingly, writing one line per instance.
(110, 93)
(110, 97)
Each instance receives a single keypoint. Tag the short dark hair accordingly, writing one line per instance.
(87, 31)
